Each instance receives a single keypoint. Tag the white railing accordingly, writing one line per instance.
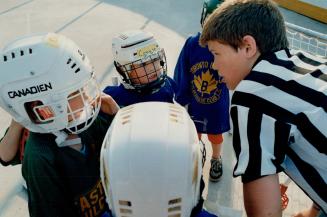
(307, 40)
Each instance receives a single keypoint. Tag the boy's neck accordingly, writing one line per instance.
(254, 60)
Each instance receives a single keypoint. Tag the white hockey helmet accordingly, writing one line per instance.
(139, 60)
(47, 84)
(151, 162)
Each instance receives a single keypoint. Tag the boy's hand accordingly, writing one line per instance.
(108, 104)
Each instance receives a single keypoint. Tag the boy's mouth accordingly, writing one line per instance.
(152, 77)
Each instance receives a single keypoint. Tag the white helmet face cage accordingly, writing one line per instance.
(139, 60)
(51, 84)
(147, 72)
(82, 105)
(150, 162)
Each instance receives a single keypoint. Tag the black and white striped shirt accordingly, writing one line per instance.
(279, 113)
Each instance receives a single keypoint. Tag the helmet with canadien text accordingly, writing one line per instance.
(47, 84)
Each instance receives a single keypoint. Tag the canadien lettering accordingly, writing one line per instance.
(30, 90)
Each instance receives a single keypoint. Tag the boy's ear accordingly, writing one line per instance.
(250, 46)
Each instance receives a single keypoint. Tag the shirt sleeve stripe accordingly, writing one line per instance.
(253, 169)
(309, 174)
(282, 135)
(291, 87)
(312, 133)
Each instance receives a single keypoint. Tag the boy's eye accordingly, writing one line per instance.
(138, 65)
(214, 53)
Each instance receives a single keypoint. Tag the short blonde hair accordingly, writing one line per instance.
(235, 19)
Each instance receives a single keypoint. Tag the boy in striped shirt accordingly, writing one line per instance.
(278, 107)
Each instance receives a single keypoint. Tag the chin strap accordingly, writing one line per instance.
(61, 138)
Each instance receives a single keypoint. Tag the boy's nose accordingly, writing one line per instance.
(215, 65)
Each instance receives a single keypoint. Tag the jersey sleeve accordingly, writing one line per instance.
(205, 213)
(182, 76)
(260, 143)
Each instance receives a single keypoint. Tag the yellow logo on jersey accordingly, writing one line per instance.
(93, 202)
(205, 83)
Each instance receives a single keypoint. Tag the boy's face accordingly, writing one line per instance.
(146, 72)
(76, 104)
(232, 65)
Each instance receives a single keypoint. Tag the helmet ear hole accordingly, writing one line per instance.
(29, 110)
(38, 113)
(162, 63)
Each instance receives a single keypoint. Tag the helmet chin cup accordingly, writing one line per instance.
(61, 136)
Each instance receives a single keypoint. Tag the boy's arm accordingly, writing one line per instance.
(262, 197)
(9, 144)
(108, 104)
(260, 143)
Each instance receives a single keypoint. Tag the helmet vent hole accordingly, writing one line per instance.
(174, 117)
(127, 110)
(125, 211)
(174, 209)
(175, 201)
(175, 215)
(175, 114)
(77, 70)
(125, 122)
(174, 205)
(125, 203)
(69, 60)
(30, 50)
(73, 65)
(13, 55)
(126, 119)
(125, 208)
(126, 115)
(22, 53)
(5, 58)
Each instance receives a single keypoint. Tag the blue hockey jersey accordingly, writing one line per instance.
(205, 213)
(200, 87)
(125, 97)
